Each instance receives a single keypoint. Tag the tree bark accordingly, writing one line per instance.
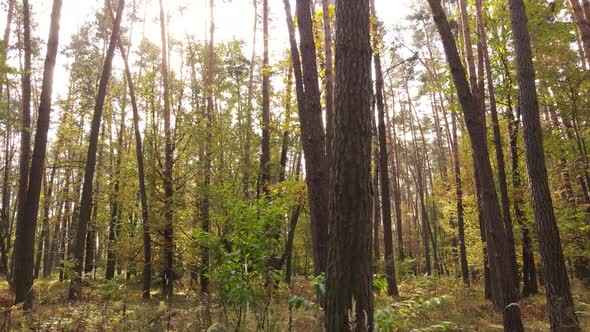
(383, 162)
(168, 247)
(459, 203)
(495, 233)
(559, 299)
(312, 131)
(86, 199)
(349, 279)
(26, 226)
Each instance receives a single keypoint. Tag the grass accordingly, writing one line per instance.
(117, 306)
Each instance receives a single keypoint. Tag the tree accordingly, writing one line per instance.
(559, 299)
(167, 273)
(27, 225)
(349, 281)
(501, 268)
(312, 130)
(86, 198)
(265, 124)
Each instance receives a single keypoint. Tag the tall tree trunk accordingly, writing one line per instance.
(349, 297)
(383, 161)
(26, 227)
(207, 179)
(286, 133)
(265, 124)
(559, 299)
(86, 199)
(497, 140)
(25, 136)
(115, 222)
(312, 130)
(147, 251)
(329, 79)
(168, 247)
(495, 233)
(249, 109)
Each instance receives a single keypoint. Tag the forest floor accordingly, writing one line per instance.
(425, 304)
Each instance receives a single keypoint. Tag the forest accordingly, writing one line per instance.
(295, 165)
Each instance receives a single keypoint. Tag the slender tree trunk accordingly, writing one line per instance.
(582, 25)
(329, 79)
(168, 247)
(86, 199)
(503, 187)
(265, 124)
(459, 203)
(495, 233)
(27, 224)
(114, 223)
(349, 282)
(43, 246)
(286, 133)
(249, 109)
(559, 299)
(25, 136)
(312, 131)
(207, 179)
(147, 252)
(383, 162)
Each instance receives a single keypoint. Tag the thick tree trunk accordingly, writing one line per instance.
(559, 299)
(86, 199)
(349, 295)
(26, 226)
(495, 233)
(312, 131)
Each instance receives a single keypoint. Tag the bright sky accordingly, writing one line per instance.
(233, 19)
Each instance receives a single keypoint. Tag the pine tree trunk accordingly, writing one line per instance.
(27, 224)
(168, 246)
(312, 130)
(86, 199)
(559, 299)
(495, 234)
(349, 270)
(383, 163)
(459, 203)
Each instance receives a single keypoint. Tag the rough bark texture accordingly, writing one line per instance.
(349, 296)
(312, 134)
(495, 233)
(329, 80)
(86, 199)
(24, 242)
(559, 298)
(582, 25)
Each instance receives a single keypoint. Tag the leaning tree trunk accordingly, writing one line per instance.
(559, 298)
(349, 297)
(86, 199)
(24, 242)
(312, 131)
(495, 233)
(147, 251)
